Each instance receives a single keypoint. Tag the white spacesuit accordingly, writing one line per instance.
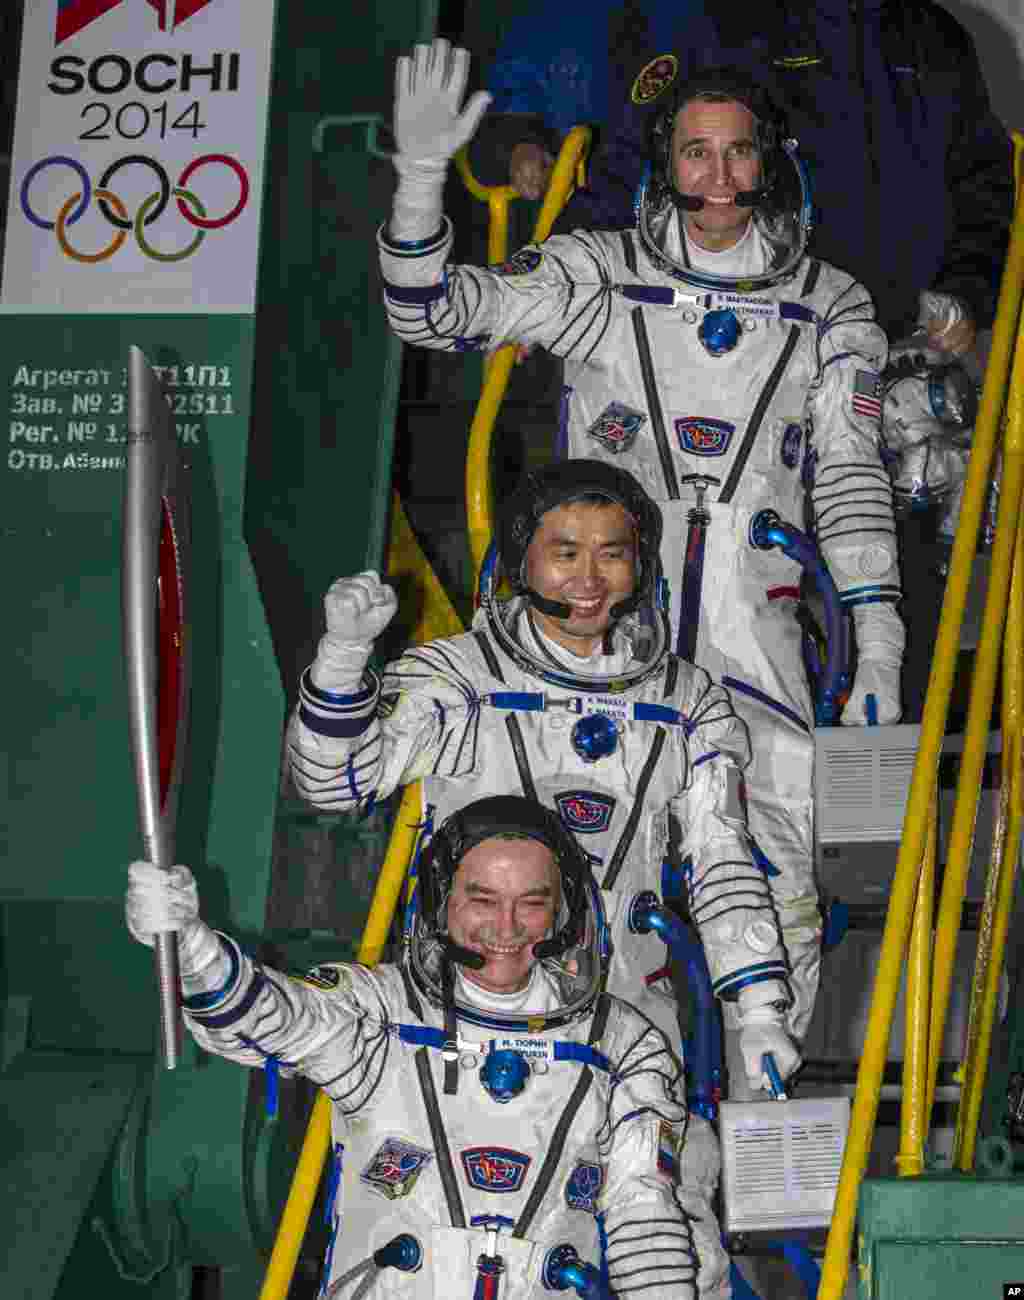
(728, 382)
(487, 1134)
(929, 404)
(614, 743)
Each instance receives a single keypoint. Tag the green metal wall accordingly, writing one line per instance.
(119, 1176)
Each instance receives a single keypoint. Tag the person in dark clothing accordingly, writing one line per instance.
(560, 67)
(911, 171)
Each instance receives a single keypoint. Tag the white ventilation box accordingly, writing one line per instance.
(781, 1162)
(861, 781)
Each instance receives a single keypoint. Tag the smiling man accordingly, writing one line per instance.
(730, 372)
(568, 693)
(559, 1097)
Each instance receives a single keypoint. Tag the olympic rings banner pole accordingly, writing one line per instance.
(139, 144)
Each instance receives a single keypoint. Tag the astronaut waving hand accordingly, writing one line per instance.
(730, 372)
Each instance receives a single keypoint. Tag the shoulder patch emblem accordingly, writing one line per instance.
(617, 426)
(583, 1186)
(654, 78)
(702, 436)
(585, 812)
(495, 1169)
(521, 263)
(394, 1168)
(790, 449)
(320, 977)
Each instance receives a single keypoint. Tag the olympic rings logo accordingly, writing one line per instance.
(150, 210)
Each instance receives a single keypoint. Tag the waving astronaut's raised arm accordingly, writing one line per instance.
(331, 1026)
(557, 294)
(727, 889)
(851, 492)
(422, 717)
(649, 1233)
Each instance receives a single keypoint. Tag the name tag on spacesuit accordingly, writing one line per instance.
(534, 1049)
(614, 706)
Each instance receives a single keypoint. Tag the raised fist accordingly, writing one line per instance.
(360, 608)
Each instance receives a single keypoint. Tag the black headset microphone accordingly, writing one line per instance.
(744, 199)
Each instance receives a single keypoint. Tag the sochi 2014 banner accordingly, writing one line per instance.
(137, 168)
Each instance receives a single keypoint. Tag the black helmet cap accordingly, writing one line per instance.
(484, 819)
(560, 483)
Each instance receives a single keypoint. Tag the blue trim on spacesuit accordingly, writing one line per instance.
(538, 702)
(879, 594)
(415, 247)
(734, 684)
(419, 294)
(335, 698)
(729, 985)
(430, 1036)
(199, 1002)
(237, 1012)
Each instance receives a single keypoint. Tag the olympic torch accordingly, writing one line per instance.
(154, 590)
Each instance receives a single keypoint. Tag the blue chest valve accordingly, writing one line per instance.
(563, 1269)
(504, 1074)
(595, 737)
(402, 1252)
(719, 332)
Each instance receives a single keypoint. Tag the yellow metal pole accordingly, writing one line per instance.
(999, 886)
(913, 1116)
(405, 563)
(983, 684)
(306, 1178)
(479, 511)
(836, 1264)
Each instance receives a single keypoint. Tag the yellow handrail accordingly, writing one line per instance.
(479, 517)
(306, 1178)
(913, 1112)
(497, 198)
(908, 867)
(999, 886)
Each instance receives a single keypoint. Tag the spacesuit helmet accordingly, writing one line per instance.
(780, 203)
(576, 952)
(929, 405)
(642, 617)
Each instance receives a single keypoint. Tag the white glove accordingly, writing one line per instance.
(881, 637)
(429, 126)
(763, 1029)
(159, 902)
(429, 129)
(358, 609)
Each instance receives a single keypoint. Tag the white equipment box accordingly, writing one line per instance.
(861, 780)
(781, 1162)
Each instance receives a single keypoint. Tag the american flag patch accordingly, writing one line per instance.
(867, 394)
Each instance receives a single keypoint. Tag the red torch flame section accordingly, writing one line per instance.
(170, 645)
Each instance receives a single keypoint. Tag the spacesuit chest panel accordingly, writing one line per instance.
(653, 399)
(615, 806)
(392, 1168)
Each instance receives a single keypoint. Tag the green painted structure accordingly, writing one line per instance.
(119, 1178)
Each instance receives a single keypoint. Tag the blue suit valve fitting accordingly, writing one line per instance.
(402, 1252)
(719, 331)
(563, 1269)
(595, 737)
(504, 1074)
